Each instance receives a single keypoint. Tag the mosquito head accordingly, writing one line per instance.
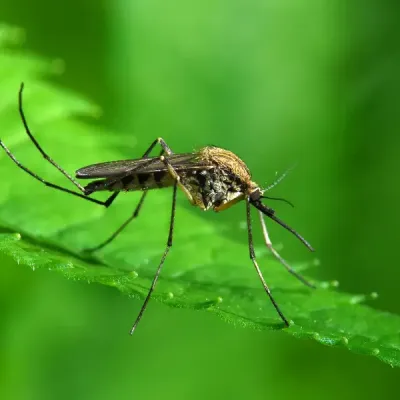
(255, 198)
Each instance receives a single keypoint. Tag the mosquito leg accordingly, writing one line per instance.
(121, 228)
(253, 259)
(268, 243)
(145, 164)
(106, 203)
(165, 149)
(83, 195)
(171, 169)
(134, 214)
(34, 141)
(169, 244)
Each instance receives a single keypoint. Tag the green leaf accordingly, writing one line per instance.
(206, 268)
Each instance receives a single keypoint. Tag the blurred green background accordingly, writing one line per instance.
(312, 82)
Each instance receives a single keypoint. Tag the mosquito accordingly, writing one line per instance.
(211, 178)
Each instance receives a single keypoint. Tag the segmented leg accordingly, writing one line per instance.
(134, 214)
(83, 195)
(268, 243)
(157, 274)
(253, 259)
(165, 149)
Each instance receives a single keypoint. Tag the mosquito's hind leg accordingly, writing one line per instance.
(165, 149)
(105, 203)
(34, 141)
(134, 214)
(163, 156)
(121, 228)
(83, 194)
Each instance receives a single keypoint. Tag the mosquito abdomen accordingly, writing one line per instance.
(133, 182)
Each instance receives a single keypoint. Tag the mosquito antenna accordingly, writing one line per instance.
(280, 178)
(269, 212)
(278, 198)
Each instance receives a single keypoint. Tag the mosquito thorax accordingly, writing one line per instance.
(226, 161)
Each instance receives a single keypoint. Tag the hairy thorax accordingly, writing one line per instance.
(212, 188)
(226, 179)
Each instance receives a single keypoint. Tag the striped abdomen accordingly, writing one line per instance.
(147, 181)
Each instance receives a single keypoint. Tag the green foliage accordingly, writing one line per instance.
(206, 270)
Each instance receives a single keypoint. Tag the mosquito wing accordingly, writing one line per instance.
(142, 165)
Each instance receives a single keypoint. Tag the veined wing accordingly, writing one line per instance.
(142, 165)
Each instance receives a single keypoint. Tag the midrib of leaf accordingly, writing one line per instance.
(206, 270)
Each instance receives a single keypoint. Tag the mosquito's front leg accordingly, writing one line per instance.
(268, 243)
(253, 259)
